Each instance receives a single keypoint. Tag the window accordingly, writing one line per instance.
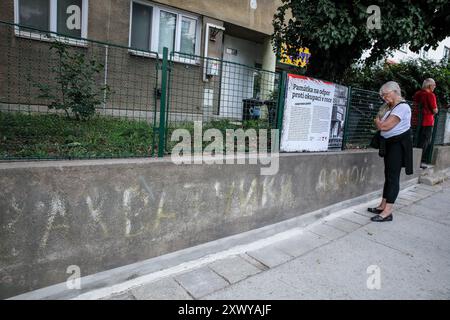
(141, 27)
(446, 56)
(188, 35)
(67, 17)
(424, 54)
(154, 27)
(167, 26)
(35, 14)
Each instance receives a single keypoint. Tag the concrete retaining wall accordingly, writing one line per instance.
(441, 157)
(100, 215)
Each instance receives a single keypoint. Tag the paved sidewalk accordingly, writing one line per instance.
(345, 256)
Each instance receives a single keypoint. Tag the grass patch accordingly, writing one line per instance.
(222, 126)
(54, 136)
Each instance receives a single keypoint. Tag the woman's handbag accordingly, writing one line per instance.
(375, 142)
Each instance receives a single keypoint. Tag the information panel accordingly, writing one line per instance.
(307, 114)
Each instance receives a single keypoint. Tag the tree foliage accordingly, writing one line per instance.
(336, 31)
(409, 75)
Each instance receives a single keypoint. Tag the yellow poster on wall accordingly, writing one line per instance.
(299, 59)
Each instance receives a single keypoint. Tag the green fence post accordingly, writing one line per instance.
(429, 155)
(169, 82)
(281, 99)
(155, 127)
(346, 121)
(162, 108)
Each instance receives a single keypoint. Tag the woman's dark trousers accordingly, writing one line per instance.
(425, 140)
(392, 168)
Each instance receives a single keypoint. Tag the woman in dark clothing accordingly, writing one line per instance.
(396, 143)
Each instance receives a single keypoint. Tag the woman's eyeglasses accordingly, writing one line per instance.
(382, 95)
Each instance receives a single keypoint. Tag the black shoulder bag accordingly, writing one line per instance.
(375, 142)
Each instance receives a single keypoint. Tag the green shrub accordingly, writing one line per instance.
(75, 90)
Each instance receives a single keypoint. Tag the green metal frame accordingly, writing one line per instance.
(162, 109)
(155, 126)
(347, 112)
(429, 155)
(281, 102)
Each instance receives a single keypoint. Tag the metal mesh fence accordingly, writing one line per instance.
(66, 98)
(363, 108)
(360, 128)
(440, 127)
(438, 134)
(221, 94)
(50, 84)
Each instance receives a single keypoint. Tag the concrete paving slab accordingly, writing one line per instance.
(164, 289)
(259, 287)
(343, 225)
(400, 206)
(234, 268)
(201, 281)
(340, 271)
(356, 218)
(420, 192)
(122, 296)
(363, 212)
(254, 262)
(408, 198)
(402, 202)
(441, 197)
(416, 187)
(302, 244)
(344, 274)
(421, 211)
(270, 256)
(327, 231)
(409, 234)
(435, 204)
(434, 188)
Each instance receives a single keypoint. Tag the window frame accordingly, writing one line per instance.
(53, 14)
(424, 54)
(154, 35)
(446, 55)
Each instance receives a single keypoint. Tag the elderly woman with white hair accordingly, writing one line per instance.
(396, 143)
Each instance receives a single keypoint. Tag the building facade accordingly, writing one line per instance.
(442, 52)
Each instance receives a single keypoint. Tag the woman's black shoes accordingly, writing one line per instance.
(379, 218)
(375, 210)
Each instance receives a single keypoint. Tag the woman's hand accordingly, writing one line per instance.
(377, 123)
